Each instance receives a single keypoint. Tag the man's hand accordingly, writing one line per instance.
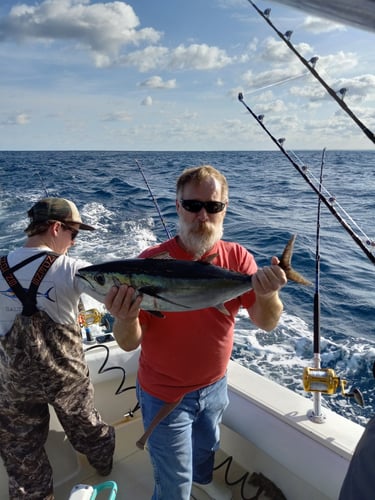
(122, 303)
(269, 279)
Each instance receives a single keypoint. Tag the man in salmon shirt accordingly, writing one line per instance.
(184, 355)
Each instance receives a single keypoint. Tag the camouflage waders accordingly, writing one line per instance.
(43, 362)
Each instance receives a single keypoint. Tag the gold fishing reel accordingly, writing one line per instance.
(326, 381)
(89, 317)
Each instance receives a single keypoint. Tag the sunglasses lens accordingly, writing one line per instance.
(212, 207)
(73, 232)
(192, 205)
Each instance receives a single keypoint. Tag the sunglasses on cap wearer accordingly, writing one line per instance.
(71, 229)
(195, 206)
(65, 226)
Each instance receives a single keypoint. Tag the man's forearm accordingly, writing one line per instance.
(128, 334)
(266, 311)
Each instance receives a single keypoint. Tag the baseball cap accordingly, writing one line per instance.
(58, 209)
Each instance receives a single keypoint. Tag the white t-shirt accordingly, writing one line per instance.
(58, 293)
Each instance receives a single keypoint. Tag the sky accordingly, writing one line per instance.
(165, 75)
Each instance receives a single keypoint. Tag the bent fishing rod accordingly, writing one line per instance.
(310, 65)
(153, 199)
(302, 170)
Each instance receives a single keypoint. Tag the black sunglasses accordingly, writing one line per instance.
(71, 229)
(211, 207)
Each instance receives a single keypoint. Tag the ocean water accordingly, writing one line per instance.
(269, 201)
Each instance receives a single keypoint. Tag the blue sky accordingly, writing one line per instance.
(165, 75)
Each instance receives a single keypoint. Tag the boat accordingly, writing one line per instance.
(270, 445)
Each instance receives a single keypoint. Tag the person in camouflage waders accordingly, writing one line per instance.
(41, 354)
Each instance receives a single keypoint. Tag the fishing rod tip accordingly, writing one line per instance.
(240, 96)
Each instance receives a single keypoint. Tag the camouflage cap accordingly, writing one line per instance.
(57, 209)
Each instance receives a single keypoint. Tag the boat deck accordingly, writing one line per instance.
(132, 470)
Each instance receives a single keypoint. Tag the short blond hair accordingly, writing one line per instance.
(198, 174)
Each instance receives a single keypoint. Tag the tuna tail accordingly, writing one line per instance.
(286, 264)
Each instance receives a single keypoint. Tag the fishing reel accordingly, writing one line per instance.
(326, 381)
(89, 317)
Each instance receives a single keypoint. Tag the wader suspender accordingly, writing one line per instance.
(28, 298)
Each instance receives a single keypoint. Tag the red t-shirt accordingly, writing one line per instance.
(186, 351)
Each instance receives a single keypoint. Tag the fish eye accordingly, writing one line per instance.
(100, 279)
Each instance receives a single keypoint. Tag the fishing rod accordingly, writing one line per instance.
(317, 271)
(317, 413)
(320, 380)
(153, 199)
(303, 171)
(310, 65)
(43, 184)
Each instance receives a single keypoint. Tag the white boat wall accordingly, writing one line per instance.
(266, 429)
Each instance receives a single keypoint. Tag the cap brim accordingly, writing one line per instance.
(85, 227)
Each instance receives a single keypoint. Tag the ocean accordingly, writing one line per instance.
(268, 202)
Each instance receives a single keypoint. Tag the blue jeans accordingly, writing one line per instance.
(182, 446)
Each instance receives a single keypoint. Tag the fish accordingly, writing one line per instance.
(172, 285)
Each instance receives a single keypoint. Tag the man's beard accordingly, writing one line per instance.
(199, 237)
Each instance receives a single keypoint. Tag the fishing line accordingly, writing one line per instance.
(153, 199)
(303, 170)
(280, 82)
(332, 199)
(310, 65)
(43, 185)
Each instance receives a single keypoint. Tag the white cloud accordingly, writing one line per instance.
(275, 106)
(337, 63)
(156, 82)
(116, 116)
(17, 119)
(317, 25)
(359, 88)
(192, 57)
(273, 50)
(146, 59)
(102, 28)
(147, 101)
(198, 57)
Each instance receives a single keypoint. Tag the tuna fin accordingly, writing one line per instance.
(158, 314)
(209, 258)
(162, 255)
(155, 292)
(286, 264)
